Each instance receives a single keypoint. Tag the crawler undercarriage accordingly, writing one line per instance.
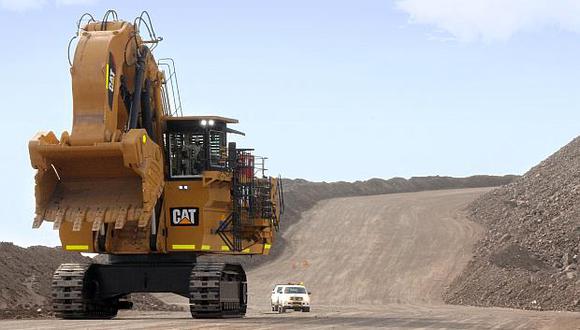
(99, 291)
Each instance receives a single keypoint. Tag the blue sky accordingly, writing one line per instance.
(328, 90)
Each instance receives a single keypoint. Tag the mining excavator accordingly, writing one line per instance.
(154, 190)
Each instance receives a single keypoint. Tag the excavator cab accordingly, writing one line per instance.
(195, 144)
(231, 201)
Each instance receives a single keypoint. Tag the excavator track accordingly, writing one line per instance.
(70, 295)
(217, 290)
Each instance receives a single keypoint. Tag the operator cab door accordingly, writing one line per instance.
(184, 196)
(190, 149)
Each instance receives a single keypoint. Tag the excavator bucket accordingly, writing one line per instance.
(107, 182)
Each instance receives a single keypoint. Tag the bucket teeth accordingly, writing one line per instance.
(79, 216)
(131, 213)
(60, 213)
(143, 220)
(98, 220)
(138, 212)
(38, 220)
(121, 218)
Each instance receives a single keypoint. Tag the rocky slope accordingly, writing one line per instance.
(529, 255)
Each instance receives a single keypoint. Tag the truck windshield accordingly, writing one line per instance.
(294, 289)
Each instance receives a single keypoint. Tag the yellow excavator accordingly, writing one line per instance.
(152, 189)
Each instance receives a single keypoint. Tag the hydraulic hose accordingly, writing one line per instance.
(140, 67)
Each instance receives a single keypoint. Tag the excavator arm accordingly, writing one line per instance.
(109, 169)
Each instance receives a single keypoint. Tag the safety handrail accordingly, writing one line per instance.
(172, 101)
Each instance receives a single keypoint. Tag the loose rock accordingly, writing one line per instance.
(545, 230)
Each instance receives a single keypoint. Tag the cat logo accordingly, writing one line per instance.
(110, 80)
(184, 216)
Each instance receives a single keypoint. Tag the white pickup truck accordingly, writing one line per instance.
(290, 296)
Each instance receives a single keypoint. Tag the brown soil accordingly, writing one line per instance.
(529, 255)
(25, 275)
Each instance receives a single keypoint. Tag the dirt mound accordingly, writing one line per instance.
(25, 275)
(529, 256)
(25, 281)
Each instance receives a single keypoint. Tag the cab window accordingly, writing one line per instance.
(217, 149)
(186, 154)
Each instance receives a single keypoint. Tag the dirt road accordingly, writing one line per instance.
(378, 261)
(401, 248)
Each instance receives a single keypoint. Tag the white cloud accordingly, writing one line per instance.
(493, 20)
(25, 5)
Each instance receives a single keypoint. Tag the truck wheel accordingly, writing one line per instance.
(306, 309)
